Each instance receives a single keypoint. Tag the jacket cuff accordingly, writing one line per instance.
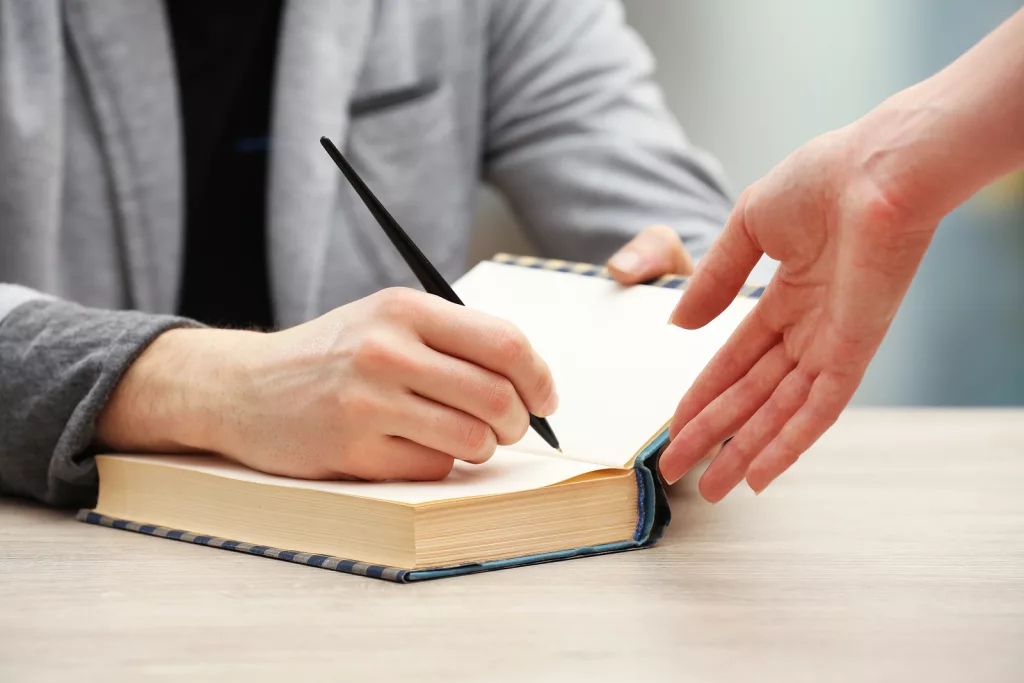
(59, 363)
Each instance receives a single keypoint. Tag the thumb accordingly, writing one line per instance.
(720, 274)
(656, 251)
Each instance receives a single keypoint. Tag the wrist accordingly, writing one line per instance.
(896, 150)
(176, 395)
(929, 148)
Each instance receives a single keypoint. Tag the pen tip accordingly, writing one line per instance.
(559, 449)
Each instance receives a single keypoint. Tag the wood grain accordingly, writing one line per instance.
(894, 551)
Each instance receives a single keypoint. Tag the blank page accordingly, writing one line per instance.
(619, 367)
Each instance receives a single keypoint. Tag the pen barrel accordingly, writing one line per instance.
(424, 270)
(541, 426)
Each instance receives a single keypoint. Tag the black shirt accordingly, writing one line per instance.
(225, 53)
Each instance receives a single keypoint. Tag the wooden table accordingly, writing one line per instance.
(894, 551)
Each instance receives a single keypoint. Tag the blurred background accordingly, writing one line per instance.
(751, 81)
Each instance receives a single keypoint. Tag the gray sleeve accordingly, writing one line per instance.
(578, 138)
(59, 363)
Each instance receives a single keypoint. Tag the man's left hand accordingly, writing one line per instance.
(656, 251)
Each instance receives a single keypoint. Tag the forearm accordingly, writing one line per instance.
(932, 146)
(178, 396)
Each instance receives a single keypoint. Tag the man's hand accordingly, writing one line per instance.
(848, 252)
(395, 386)
(654, 252)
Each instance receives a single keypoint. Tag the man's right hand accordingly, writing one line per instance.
(395, 386)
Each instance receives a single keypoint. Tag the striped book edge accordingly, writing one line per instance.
(320, 561)
(751, 291)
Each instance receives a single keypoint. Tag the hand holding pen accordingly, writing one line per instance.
(428, 276)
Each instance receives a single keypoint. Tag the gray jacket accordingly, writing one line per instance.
(551, 101)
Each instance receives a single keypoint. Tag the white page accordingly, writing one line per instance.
(506, 472)
(620, 368)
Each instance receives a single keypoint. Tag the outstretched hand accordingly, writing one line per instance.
(847, 251)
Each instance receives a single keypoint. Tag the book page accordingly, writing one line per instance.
(506, 472)
(619, 366)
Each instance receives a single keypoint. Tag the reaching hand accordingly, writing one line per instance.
(847, 254)
(849, 216)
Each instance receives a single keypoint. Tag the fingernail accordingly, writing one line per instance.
(627, 261)
(669, 479)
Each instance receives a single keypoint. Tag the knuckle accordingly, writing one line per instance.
(697, 431)
(544, 385)
(375, 352)
(514, 427)
(520, 427)
(823, 414)
(512, 346)
(742, 452)
(500, 398)
(478, 439)
(747, 196)
(398, 303)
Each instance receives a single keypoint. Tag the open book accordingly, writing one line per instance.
(620, 369)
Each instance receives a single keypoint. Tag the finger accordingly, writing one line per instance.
(469, 388)
(401, 459)
(829, 395)
(751, 340)
(491, 343)
(729, 468)
(725, 414)
(442, 428)
(720, 273)
(656, 251)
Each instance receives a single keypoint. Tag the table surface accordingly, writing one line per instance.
(894, 550)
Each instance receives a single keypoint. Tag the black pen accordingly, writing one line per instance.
(428, 276)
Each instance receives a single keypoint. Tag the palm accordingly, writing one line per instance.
(846, 260)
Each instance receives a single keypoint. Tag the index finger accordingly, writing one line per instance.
(491, 343)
